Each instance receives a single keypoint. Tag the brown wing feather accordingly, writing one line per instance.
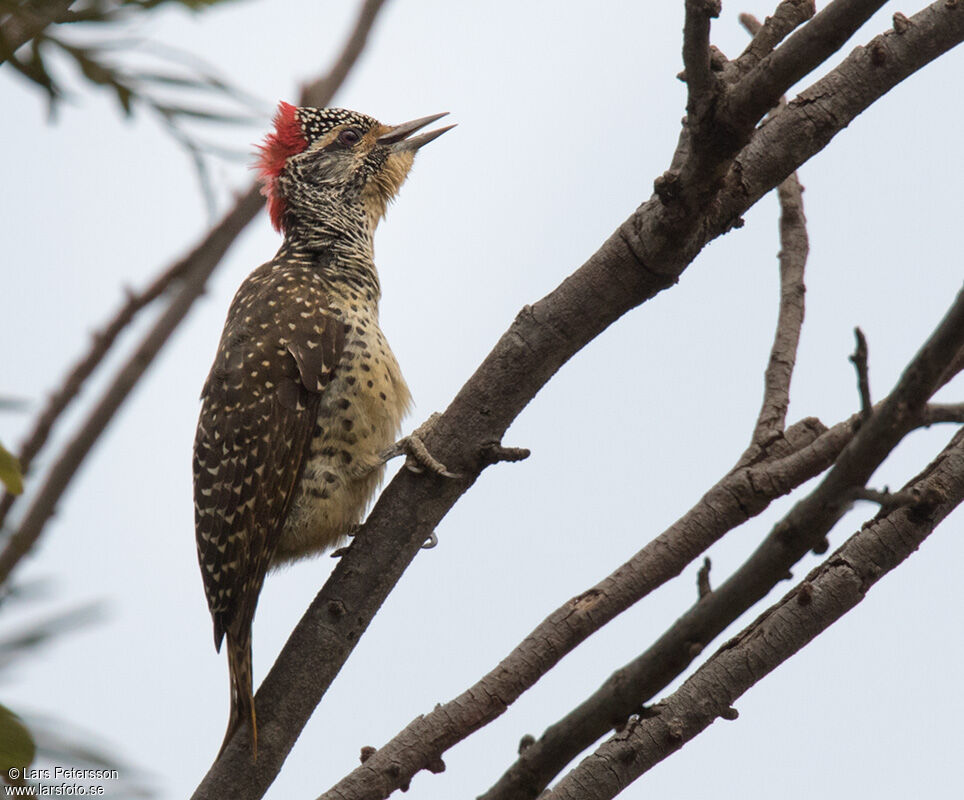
(280, 347)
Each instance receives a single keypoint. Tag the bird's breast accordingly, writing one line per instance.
(359, 417)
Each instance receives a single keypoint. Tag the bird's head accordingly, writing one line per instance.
(317, 159)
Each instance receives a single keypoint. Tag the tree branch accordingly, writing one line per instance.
(696, 53)
(804, 51)
(737, 497)
(818, 113)
(787, 17)
(794, 247)
(829, 592)
(942, 412)
(625, 692)
(859, 360)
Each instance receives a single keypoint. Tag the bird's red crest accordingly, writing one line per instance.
(287, 139)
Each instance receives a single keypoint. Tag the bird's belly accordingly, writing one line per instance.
(359, 418)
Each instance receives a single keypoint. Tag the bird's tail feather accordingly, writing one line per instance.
(242, 695)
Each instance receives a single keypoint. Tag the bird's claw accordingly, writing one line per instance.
(429, 543)
(417, 456)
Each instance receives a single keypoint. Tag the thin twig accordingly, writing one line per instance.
(827, 594)
(696, 53)
(886, 499)
(794, 247)
(859, 360)
(703, 587)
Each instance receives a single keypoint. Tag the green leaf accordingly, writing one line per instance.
(10, 475)
(17, 748)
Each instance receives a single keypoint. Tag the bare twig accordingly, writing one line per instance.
(29, 19)
(696, 53)
(794, 247)
(829, 592)
(194, 270)
(886, 499)
(859, 360)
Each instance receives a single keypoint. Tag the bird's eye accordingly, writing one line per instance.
(349, 137)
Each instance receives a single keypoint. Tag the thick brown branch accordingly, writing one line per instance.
(29, 19)
(829, 592)
(645, 255)
(821, 111)
(804, 51)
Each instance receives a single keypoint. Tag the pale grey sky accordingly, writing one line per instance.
(566, 113)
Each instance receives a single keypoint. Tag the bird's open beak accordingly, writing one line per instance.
(397, 136)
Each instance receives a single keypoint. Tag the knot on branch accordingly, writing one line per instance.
(526, 742)
(667, 187)
(494, 452)
(878, 52)
(901, 23)
(703, 579)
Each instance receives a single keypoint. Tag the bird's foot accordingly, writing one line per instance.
(417, 456)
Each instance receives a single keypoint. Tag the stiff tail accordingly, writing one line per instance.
(242, 696)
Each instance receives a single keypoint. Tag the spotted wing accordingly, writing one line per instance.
(280, 347)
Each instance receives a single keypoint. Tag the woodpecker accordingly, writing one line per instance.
(305, 397)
